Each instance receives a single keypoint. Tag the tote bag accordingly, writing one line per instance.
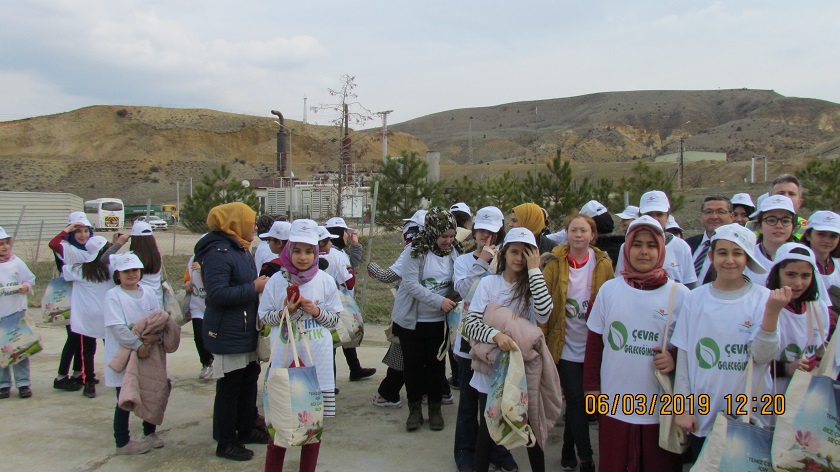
(18, 340)
(56, 300)
(350, 330)
(172, 306)
(294, 407)
(506, 412)
(671, 437)
(808, 433)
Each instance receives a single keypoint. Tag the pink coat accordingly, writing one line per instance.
(145, 387)
(545, 397)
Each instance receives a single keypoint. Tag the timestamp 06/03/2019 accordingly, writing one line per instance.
(640, 404)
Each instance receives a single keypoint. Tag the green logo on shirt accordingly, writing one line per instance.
(708, 353)
(791, 353)
(618, 336)
(572, 308)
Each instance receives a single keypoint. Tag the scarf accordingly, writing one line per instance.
(234, 219)
(8, 256)
(644, 280)
(530, 216)
(71, 238)
(438, 221)
(296, 275)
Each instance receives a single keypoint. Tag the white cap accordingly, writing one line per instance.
(461, 206)
(78, 217)
(125, 261)
(336, 222)
(324, 233)
(824, 221)
(761, 199)
(743, 199)
(775, 202)
(418, 218)
(520, 235)
(93, 246)
(655, 200)
(490, 218)
(784, 253)
(279, 230)
(141, 228)
(646, 220)
(593, 209)
(304, 231)
(672, 223)
(3, 234)
(744, 238)
(629, 213)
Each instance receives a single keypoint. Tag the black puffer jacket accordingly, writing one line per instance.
(230, 319)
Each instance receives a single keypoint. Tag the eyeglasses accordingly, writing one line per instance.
(773, 221)
(718, 212)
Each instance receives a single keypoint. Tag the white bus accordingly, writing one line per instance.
(106, 214)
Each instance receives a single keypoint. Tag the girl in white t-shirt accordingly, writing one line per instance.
(722, 326)
(144, 246)
(15, 275)
(125, 305)
(796, 268)
(623, 349)
(823, 237)
(315, 309)
(194, 285)
(775, 220)
(518, 285)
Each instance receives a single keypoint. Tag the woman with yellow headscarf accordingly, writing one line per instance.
(533, 217)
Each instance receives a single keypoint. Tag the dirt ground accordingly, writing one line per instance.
(64, 431)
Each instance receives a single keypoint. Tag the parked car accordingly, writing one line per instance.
(154, 221)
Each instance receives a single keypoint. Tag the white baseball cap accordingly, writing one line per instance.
(461, 206)
(418, 218)
(336, 222)
(3, 234)
(785, 253)
(490, 218)
(125, 261)
(520, 235)
(775, 202)
(78, 217)
(824, 220)
(655, 200)
(93, 246)
(141, 228)
(324, 233)
(672, 223)
(646, 220)
(743, 199)
(279, 230)
(629, 213)
(304, 231)
(744, 238)
(593, 208)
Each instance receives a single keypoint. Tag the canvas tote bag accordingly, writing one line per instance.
(506, 412)
(56, 300)
(671, 437)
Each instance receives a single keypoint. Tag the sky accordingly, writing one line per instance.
(415, 58)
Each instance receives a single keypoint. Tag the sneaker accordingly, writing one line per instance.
(453, 383)
(256, 436)
(234, 452)
(568, 459)
(379, 401)
(206, 372)
(90, 390)
(133, 448)
(154, 441)
(78, 379)
(25, 392)
(66, 383)
(5, 392)
(509, 465)
(447, 399)
(362, 373)
(587, 466)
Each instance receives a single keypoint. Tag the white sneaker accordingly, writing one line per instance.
(134, 448)
(206, 372)
(447, 399)
(154, 441)
(379, 401)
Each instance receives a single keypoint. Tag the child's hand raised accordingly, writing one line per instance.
(532, 257)
(779, 298)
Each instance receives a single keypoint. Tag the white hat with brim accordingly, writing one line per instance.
(79, 217)
(785, 253)
(593, 208)
(672, 223)
(743, 199)
(655, 200)
(646, 220)
(629, 213)
(336, 222)
(324, 233)
(744, 238)
(279, 230)
(125, 261)
(489, 218)
(93, 246)
(461, 206)
(775, 202)
(3, 234)
(824, 221)
(141, 228)
(418, 218)
(520, 235)
(304, 231)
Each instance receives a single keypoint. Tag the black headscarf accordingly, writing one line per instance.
(438, 221)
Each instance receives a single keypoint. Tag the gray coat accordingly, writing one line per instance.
(412, 293)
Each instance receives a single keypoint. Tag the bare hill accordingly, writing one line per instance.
(620, 126)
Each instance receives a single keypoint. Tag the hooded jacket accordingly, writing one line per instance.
(228, 271)
(556, 273)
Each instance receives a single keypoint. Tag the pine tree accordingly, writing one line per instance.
(215, 188)
(403, 187)
(641, 180)
(821, 184)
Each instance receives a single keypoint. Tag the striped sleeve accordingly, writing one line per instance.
(328, 319)
(382, 274)
(542, 298)
(474, 328)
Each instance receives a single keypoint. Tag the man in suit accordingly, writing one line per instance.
(715, 211)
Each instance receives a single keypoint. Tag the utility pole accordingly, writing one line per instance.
(281, 143)
(304, 109)
(384, 115)
(536, 136)
(470, 142)
(680, 169)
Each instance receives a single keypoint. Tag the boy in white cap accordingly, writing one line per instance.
(678, 261)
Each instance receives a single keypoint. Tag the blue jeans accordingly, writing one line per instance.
(21, 374)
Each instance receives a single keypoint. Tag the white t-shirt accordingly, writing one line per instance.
(87, 311)
(152, 282)
(632, 323)
(717, 336)
(397, 266)
(324, 294)
(124, 308)
(559, 237)
(12, 274)
(463, 264)
(198, 298)
(678, 262)
(759, 279)
(494, 289)
(437, 277)
(262, 255)
(339, 264)
(795, 340)
(577, 302)
(833, 278)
